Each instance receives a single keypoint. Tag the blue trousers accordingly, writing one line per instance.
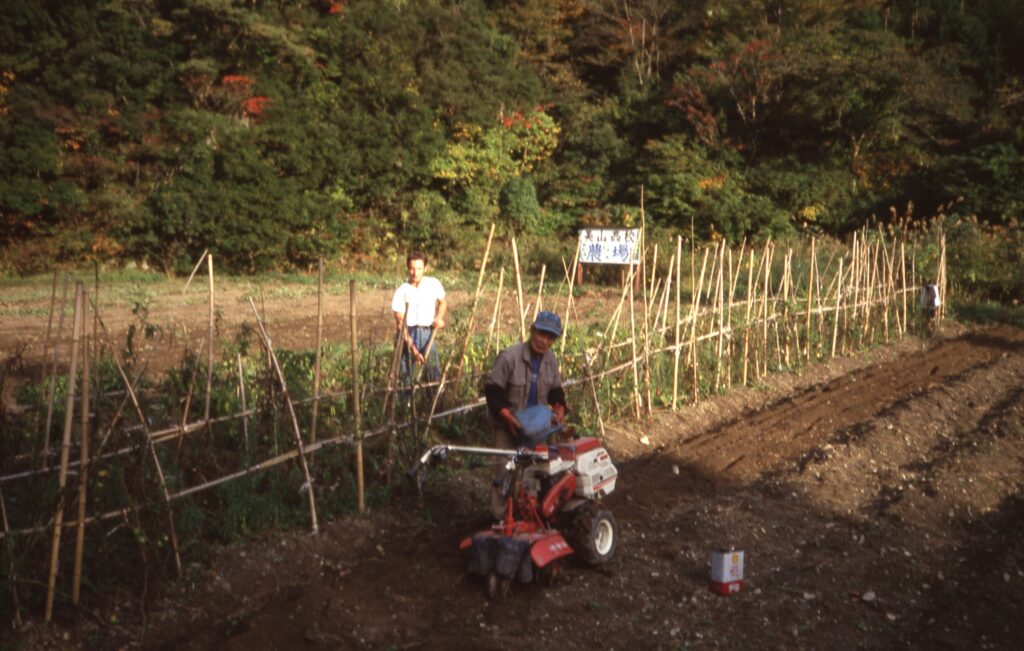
(420, 336)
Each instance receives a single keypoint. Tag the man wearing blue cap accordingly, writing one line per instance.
(524, 375)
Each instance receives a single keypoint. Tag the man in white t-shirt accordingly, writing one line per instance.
(420, 302)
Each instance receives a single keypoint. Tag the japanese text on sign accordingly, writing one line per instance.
(609, 245)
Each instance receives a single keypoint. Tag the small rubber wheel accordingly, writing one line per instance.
(594, 534)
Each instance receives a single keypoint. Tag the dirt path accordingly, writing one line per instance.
(880, 504)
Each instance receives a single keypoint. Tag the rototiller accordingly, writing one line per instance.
(553, 506)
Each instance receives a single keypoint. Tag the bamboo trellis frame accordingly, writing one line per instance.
(858, 294)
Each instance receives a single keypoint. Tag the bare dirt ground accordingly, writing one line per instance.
(878, 500)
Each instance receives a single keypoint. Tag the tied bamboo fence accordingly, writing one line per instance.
(747, 312)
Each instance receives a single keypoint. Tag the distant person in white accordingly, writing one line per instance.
(930, 301)
(420, 302)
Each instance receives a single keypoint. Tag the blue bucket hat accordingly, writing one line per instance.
(548, 322)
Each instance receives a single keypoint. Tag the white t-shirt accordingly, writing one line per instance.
(422, 301)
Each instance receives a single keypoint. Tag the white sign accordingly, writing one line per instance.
(610, 245)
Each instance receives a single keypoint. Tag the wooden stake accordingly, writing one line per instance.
(540, 291)
(476, 300)
(632, 334)
(720, 302)
(291, 411)
(65, 450)
(356, 412)
(130, 388)
(903, 280)
(675, 352)
(694, 312)
(95, 320)
(210, 341)
(188, 397)
(241, 393)
(810, 301)
(12, 571)
(53, 375)
(839, 298)
(319, 349)
(519, 291)
(647, 332)
(769, 254)
(590, 377)
(495, 315)
(751, 294)
(734, 277)
(83, 468)
(49, 321)
(568, 300)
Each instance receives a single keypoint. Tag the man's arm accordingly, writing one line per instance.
(403, 332)
(556, 400)
(494, 392)
(442, 312)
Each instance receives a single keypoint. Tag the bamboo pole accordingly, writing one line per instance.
(851, 277)
(540, 291)
(720, 301)
(675, 352)
(613, 322)
(319, 348)
(872, 260)
(632, 333)
(51, 394)
(188, 396)
(647, 333)
(734, 278)
(820, 349)
(694, 309)
(589, 371)
(495, 315)
(95, 320)
(839, 298)
(241, 393)
(49, 321)
(12, 571)
(476, 299)
(65, 450)
(903, 280)
(568, 300)
(291, 411)
(147, 437)
(83, 472)
(209, 353)
(751, 290)
(893, 292)
(356, 412)
(810, 301)
(391, 395)
(787, 267)
(943, 290)
(519, 291)
(769, 254)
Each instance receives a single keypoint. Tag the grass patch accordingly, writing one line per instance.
(987, 312)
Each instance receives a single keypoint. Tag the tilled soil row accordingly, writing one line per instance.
(881, 509)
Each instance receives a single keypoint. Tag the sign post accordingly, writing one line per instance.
(608, 246)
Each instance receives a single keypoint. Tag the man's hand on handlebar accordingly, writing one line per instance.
(514, 427)
(557, 414)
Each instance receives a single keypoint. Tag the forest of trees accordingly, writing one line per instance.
(277, 131)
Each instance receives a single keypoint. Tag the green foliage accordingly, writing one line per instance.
(986, 261)
(272, 133)
(686, 184)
